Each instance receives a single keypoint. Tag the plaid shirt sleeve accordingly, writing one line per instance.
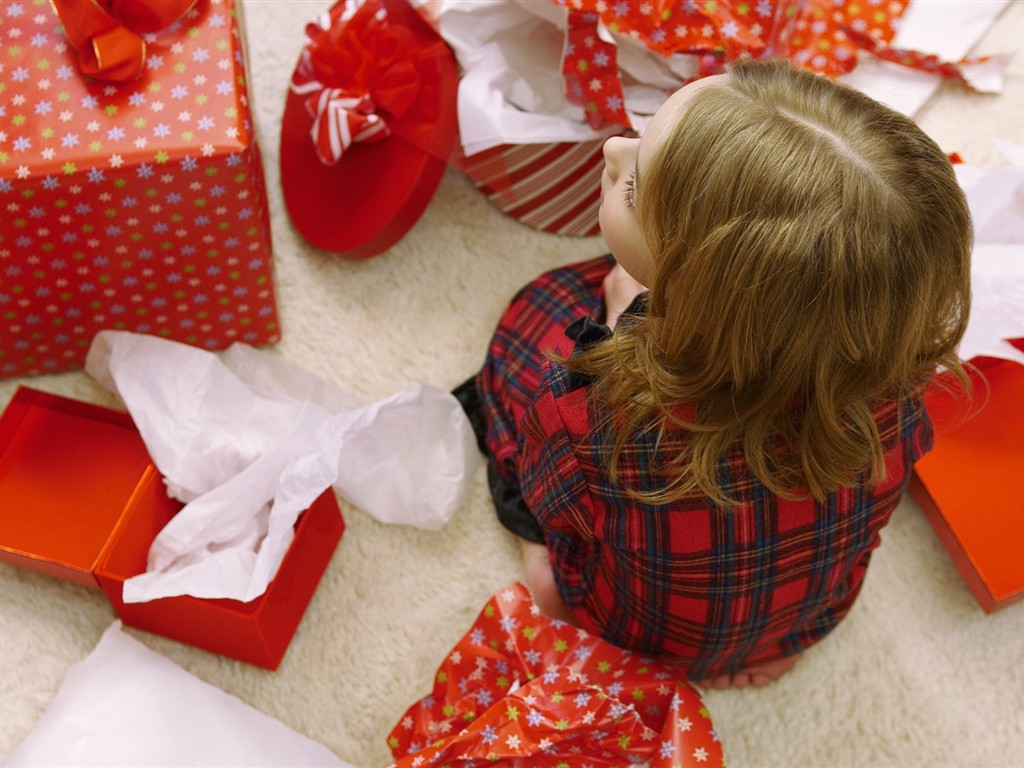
(532, 326)
(714, 590)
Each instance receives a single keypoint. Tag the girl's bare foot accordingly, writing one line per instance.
(756, 676)
(541, 581)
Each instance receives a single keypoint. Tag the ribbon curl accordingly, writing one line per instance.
(108, 33)
(361, 77)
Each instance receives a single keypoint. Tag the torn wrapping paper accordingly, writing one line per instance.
(812, 35)
(620, 61)
(982, 73)
(545, 83)
(947, 30)
(248, 459)
(996, 200)
(126, 705)
(538, 693)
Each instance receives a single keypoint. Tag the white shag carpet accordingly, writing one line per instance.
(917, 675)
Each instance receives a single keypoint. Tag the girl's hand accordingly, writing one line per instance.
(620, 288)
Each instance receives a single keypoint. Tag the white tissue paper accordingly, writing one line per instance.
(250, 441)
(996, 200)
(511, 90)
(126, 705)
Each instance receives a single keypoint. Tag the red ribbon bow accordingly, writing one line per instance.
(361, 76)
(108, 33)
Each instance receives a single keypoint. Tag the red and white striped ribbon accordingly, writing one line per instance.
(340, 118)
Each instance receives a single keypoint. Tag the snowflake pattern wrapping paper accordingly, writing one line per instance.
(811, 33)
(823, 36)
(134, 206)
(530, 691)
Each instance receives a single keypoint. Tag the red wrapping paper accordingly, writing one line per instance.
(966, 69)
(137, 206)
(810, 32)
(823, 36)
(534, 692)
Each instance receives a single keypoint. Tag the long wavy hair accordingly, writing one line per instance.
(811, 252)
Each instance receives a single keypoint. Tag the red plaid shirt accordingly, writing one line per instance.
(715, 590)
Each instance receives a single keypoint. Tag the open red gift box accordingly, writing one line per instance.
(969, 484)
(80, 499)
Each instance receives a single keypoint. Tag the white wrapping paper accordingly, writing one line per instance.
(996, 199)
(126, 705)
(244, 443)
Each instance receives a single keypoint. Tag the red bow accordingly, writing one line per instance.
(361, 76)
(108, 33)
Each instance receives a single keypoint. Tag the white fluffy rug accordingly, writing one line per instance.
(917, 675)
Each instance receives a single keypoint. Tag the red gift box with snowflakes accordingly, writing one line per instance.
(137, 205)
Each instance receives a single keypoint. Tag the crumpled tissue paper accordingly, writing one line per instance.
(249, 441)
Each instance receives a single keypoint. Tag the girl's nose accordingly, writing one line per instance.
(616, 151)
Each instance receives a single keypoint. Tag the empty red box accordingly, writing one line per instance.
(81, 500)
(969, 484)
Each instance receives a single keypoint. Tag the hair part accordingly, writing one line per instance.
(811, 252)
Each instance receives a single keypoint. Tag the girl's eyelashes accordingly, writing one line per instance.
(630, 189)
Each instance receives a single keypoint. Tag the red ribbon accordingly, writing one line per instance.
(361, 77)
(108, 33)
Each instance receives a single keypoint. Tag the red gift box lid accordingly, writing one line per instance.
(67, 471)
(360, 202)
(969, 483)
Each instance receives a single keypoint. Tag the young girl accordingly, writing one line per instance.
(706, 482)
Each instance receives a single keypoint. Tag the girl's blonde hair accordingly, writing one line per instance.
(811, 255)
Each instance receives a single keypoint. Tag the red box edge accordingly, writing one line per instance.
(268, 649)
(961, 558)
(23, 399)
(264, 648)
